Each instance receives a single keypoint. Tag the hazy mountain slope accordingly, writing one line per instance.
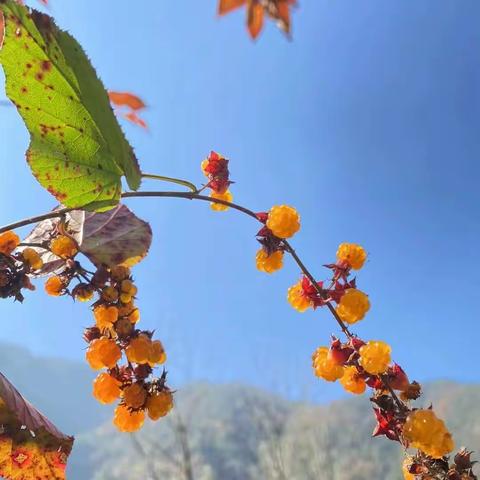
(59, 388)
(237, 432)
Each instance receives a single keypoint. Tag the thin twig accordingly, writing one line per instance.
(36, 219)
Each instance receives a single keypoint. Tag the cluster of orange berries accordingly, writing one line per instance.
(215, 168)
(115, 335)
(355, 364)
(353, 304)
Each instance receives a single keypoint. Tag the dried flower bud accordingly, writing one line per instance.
(412, 392)
(91, 334)
(462, 459)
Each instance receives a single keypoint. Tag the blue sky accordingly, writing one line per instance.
(367, 122)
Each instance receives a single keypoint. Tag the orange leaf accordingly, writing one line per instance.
(255, 18)
(134, 118)
(126, 99)
(31, 447)
(226, 6)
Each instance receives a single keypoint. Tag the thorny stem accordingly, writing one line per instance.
(196, 196)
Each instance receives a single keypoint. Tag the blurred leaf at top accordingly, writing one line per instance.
(277, 10)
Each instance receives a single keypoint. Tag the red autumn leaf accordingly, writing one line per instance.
(135, 119)
(255, 18)
(125, 99)
(226, 6)
(277, 10)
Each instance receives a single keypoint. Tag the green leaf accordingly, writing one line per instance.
(78, 151)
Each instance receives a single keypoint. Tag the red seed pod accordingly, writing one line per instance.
(397, 378)
(91, 334)
(339, 353)
(356, 343)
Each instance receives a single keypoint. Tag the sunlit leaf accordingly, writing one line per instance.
(77, 151)
(31, 447)
(117, 237)
(226, 6)
(124, 99)
(111, 238)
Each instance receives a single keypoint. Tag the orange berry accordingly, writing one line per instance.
(218, 207)
(425, 431)
(283, 221)
(375, 357)
(123, 327)
(84, 293)
(106, 389)
(269, 263)
(9, 241)
(63, 247)
(353, 306)
(352, 382)
(352, 254)
(128, 287)
(134, 316)
(125, 309)
(125, 298)
(32, 258)
(105, 316)
(157, 354)
(159, 404)
(203, 166)
(324, 367)
(134, 395)
(139, 350)
(110, 294)
(54, 286)
(103, 353)
(128, 421)
(297, 298)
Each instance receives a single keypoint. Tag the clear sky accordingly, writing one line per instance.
(367, 122)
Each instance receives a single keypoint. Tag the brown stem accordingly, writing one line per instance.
(307, 273)
(36, 219)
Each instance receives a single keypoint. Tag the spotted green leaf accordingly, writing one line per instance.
(78, 151)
